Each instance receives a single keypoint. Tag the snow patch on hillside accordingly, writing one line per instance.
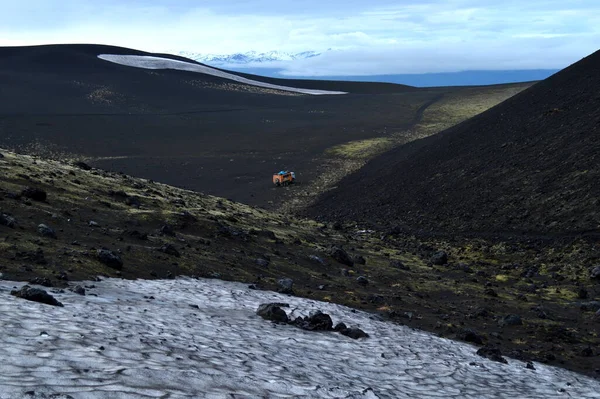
(189, 338)
(150, 62)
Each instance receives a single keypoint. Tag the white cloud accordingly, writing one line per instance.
(383, 36)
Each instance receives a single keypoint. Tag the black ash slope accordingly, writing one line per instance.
(528, 165)
(184, 128)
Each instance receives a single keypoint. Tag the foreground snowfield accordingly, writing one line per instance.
(201, 338)
(149, 62)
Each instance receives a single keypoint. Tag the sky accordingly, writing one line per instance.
(366, 37)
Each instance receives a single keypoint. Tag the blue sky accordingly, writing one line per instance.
(367, 37)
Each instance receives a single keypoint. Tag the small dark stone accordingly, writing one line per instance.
(439, 258)
(35, 194)
(341, 256)
(491, 353)
(396, 264)
(252, 287)
(82, 165)
(469, 335)
(79, 290)
(362, 280)
(110, 259)
(36, 295)
(44, 281)
(360, 260)
(46, 231)
(286, 285)
(167, 230)
(8, 221)
(170, 249)
(262, 262)
(511, 320)
(272, 311)
(354, 333)
(339, 327)
(530, 366)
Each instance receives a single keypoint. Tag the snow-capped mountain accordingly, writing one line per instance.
(250, 57)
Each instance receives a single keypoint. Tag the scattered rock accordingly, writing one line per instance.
(362, 280)
(36, 295)
(46, 231)
(339, 327)
(82, 165)
(396, 264)
(286, 285)
(93, 224)
(463, 267)
(1, 155)
(341, 256)
(490, 292)
(491, 353)
(591, 306)
(133, 201)
(469, 335)
(273, 312)
(262, 262)
(354, 333)
(582, 293)
(595, 273)
(43, 281)
(79, 290)
(345, 272)
(318, 259)
(167, 230)
(110, 259)
(587, 352)
(6, 220)
(360, 260)
(530, 366)
(170, 249)
(317, 321)
(511, 320)
(439, 258)
(35, 194)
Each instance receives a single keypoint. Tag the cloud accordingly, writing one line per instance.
(382, 36)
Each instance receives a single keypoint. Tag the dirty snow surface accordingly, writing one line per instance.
(149, 62)
(202, 339)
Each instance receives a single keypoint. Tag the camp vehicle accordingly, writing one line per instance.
(283, 178)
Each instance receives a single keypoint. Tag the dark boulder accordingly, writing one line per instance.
(362, 280)
(133, 201)
(43, 281)
(396, 264)
(317, 321)
(469, 335)
(286, 285)
(36, 295)
(273, 312)
(33, 193)
(82, 165)
(339, 327)
(110, 259)
(8, 221)
(360, 260)
(439, 258)
(511, 320)
(595, 273)
(46, 231)
(262, 262)
(341, 256)
(354, 333)
(79, 290)
(591, 306)
(491, 353)
(170, 249)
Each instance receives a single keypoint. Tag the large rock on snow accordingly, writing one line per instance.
(273, 312)
(35, 295)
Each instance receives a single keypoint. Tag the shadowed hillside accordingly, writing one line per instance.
(530, 164)
(194, 130)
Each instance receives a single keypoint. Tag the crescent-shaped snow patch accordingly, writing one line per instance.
(149, 62)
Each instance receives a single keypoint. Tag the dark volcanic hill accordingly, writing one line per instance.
(184, 128)
(528, 165)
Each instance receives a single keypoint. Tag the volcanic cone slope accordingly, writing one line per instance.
(528, 165)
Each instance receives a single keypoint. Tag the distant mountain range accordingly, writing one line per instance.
(250, 57)
(272, 64)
